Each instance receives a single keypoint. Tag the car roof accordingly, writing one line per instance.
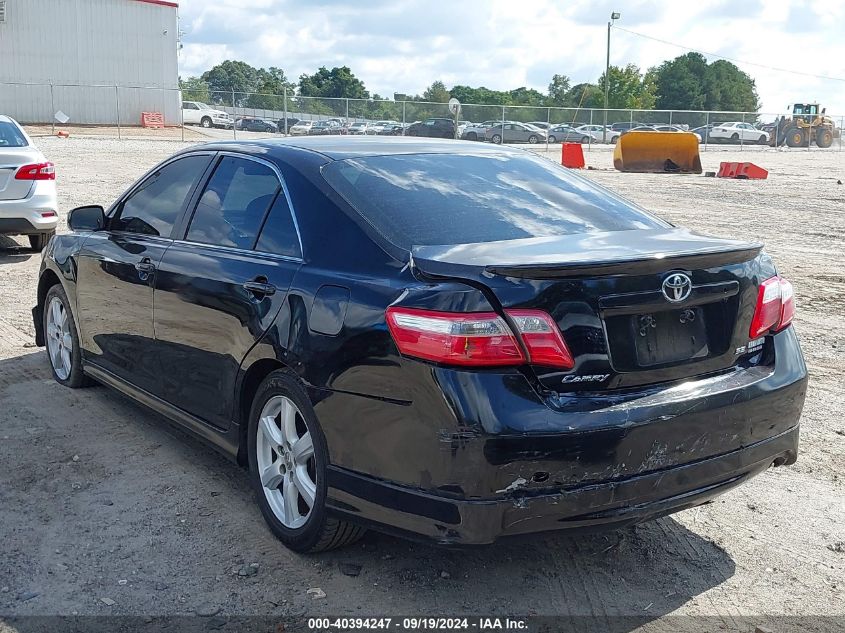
(343, 147)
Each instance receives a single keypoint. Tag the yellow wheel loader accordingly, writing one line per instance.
(807, 125)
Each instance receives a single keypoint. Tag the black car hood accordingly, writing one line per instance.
(637, 251)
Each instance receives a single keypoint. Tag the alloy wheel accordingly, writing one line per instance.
(59, 341)
(286, 463)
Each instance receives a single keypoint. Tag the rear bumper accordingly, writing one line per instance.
(509, 462)
(24, 217)
(416, 514)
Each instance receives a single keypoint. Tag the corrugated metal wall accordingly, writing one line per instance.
(85, 48)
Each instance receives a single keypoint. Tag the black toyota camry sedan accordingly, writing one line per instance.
(440, 339)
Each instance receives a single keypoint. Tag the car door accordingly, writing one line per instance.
(190, 112)
(116, 270)
(220, 286)
(749, 132)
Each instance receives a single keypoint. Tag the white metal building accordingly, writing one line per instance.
(94, 60)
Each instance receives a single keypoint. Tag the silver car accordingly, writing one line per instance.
(515, 133)
(303, 128)
(28, 203)
(568, 134)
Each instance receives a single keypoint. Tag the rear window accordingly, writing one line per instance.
(11, 136)
(429, 199)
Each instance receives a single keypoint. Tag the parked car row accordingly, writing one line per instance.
(494, 131)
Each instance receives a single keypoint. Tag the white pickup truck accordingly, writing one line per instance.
(198, 113)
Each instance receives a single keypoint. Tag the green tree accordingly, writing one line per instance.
(689, 83)
(679, 83)
(194, 89)
(337, 83)
(584, 95)
(558, 87)
(728, 88)
(526, 96)
(230, 76)
(436, 93)
(270, 90)
(627, 88)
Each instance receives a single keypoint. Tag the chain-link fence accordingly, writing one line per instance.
(199, 113)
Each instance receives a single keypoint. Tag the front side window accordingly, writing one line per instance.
(234, 203)
(154, 206)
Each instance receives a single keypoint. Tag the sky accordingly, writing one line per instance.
(404, 45)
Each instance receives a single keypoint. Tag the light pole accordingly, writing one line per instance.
(613, 16)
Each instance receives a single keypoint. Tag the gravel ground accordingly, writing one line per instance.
(106, 509)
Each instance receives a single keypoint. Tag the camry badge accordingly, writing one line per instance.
(677, 287)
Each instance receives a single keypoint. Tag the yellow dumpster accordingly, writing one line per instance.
(657, 152)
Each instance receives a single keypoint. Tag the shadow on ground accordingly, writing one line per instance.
(107, 509)
(12, 252)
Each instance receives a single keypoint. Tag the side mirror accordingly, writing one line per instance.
(90, 218)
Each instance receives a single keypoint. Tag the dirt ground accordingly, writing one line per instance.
(106, 509)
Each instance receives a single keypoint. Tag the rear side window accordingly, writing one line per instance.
(428, 199)
(11, 135)
(279, 234)
(154, 206)
(234, 203)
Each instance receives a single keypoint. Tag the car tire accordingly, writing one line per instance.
(472, 136)
(585, 140)
(206, 122)
(497, 139)
(533, 139)
(762, 140)
(38, 241)
(734, 137)
(284, 480)
(552, 139)
(62, 340)
(613, 139)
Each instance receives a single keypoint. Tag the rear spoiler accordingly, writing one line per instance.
(629, 266)
(637, 252)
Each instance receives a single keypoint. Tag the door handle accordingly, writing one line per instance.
(260, 288)
(145, 267)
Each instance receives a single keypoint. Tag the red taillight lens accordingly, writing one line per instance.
(775, 307)
(480, 339)
(543, 339)
(36, 171)
(475, 339)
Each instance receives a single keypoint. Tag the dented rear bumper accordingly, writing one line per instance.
(490, 457)
(415, 513)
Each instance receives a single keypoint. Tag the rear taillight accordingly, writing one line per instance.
(478, 339)
(542, 338)
(36, 171)
(775, 307)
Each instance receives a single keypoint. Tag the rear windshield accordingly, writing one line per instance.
(11, 136)
(429, 199)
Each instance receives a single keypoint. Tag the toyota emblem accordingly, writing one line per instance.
(677, 287)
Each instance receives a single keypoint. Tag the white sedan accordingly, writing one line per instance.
(28, 204)
(737, 131)
(597, 132)
(303, 128)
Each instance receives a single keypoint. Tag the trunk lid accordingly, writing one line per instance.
(605, 290)
(11, 159)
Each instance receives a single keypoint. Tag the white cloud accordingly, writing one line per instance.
(404, 45)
